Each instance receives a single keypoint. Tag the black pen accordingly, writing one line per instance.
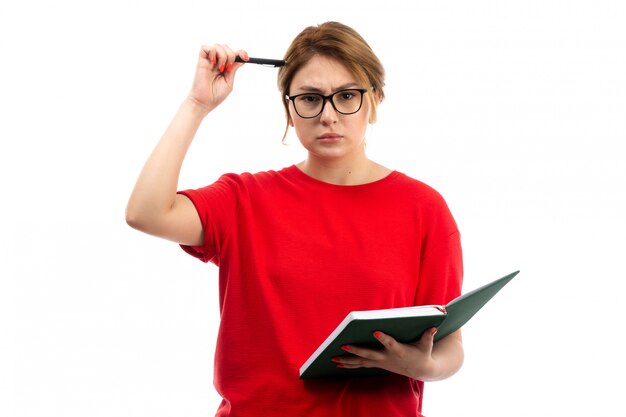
(262, 61)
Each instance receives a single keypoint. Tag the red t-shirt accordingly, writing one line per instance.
(295, 255)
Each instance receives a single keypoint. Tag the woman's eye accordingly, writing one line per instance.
(309, 99)
(346, 96)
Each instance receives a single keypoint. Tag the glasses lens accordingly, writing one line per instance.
(309, 105)
(347, 101)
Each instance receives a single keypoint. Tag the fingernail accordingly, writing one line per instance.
(229, 68)
(336, 360)
(222, 67)
(214, 60)
(433, 332)
(340, 365)
(377, 334)
(346, 348)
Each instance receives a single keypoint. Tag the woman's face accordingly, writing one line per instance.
(330, 135)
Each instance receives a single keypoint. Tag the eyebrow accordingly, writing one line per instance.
(311, 89)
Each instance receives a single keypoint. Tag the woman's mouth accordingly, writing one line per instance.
(329, 137)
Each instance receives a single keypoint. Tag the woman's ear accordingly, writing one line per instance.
(379, 98)
(288, 113)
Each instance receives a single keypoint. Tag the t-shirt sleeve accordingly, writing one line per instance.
(216, 205)
(441, 260)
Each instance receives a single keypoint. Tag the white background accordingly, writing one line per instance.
(514, 111)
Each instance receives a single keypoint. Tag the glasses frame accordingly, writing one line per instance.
(329, 98)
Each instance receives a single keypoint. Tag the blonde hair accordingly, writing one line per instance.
(340, 42)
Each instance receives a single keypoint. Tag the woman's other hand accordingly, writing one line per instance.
(424, 359)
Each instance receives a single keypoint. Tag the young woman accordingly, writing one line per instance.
(300, 247)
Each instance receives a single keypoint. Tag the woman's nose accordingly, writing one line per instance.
(329, 114)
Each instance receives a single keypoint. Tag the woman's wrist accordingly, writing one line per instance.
(195, 107)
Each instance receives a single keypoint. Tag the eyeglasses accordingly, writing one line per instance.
(310, 105)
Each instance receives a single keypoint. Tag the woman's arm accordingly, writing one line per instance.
(154, 207)
(422, 360)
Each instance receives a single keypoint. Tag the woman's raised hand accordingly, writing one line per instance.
(215, 75)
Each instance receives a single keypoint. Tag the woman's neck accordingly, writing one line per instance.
(356, 172)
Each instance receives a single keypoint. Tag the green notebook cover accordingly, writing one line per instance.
(404, 324)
